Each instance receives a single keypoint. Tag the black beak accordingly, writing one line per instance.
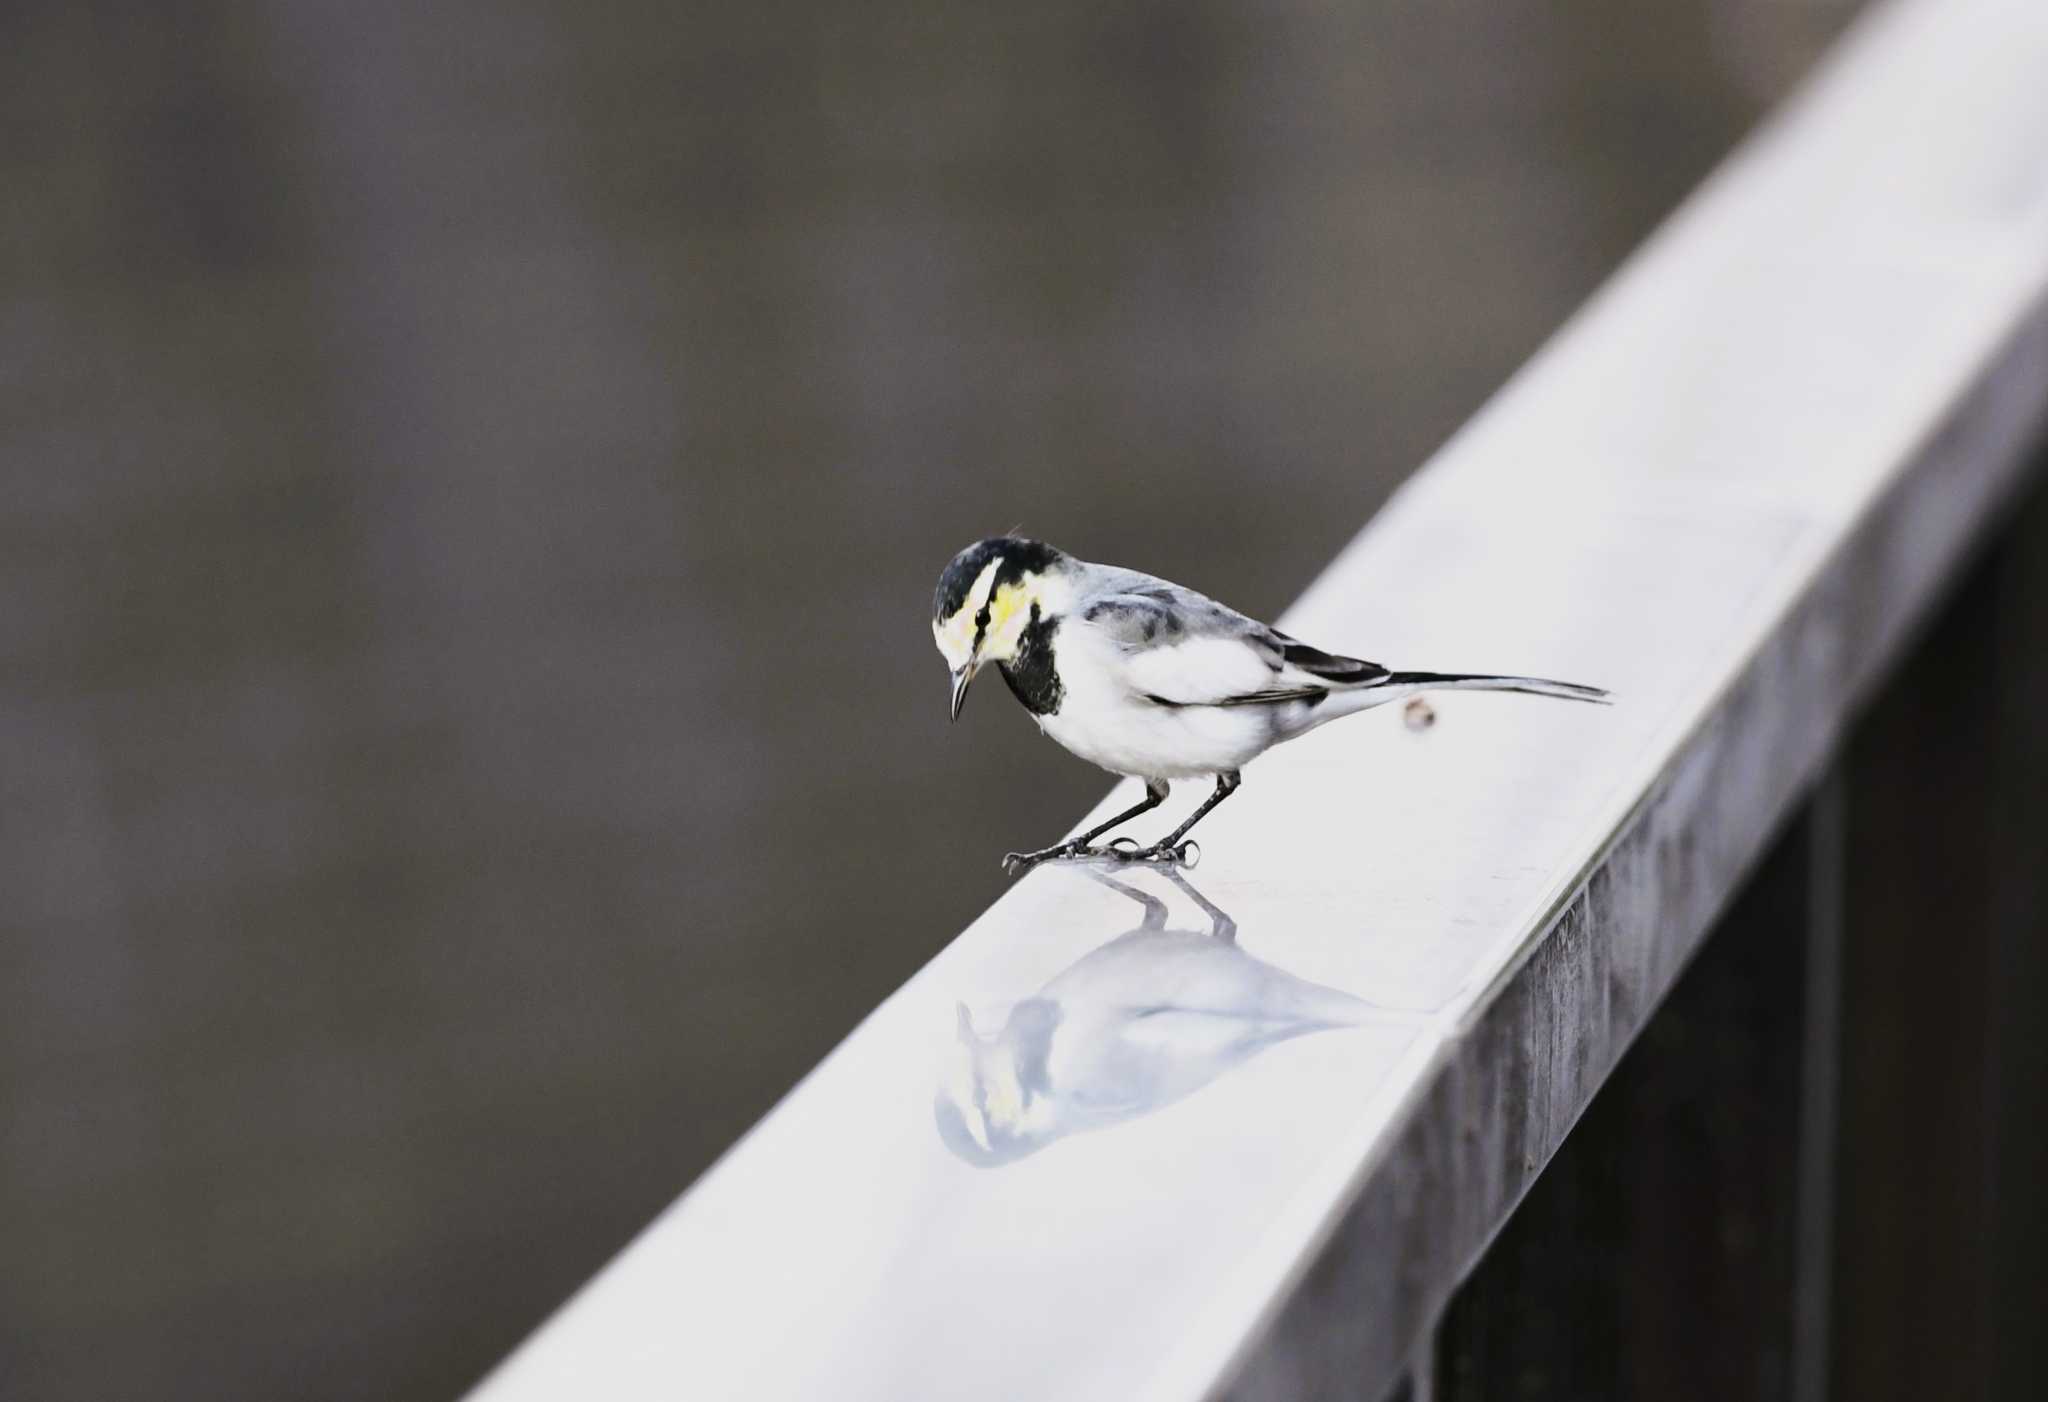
(961, 677)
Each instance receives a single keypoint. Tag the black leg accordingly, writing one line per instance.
(1169, 848)
(1155, 794)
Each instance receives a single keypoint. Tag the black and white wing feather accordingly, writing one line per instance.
(1180, 648)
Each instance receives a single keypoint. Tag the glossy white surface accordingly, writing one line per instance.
(1187, 1117)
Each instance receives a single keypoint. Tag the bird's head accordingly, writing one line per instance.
(985, 601)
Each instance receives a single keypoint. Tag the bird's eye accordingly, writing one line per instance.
(981, 620)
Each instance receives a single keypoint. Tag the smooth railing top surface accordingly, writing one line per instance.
(1090, 1150)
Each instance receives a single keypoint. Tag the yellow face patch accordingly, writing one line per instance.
(1009, 614)
(963, 639)
(956, 636)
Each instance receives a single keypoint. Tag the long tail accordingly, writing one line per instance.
(1408, 683)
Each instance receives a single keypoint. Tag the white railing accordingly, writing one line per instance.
(1104, 1146)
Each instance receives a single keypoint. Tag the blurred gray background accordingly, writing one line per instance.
(475, 474)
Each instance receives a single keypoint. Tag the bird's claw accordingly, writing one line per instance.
(1122, 849)
(1017, 863)
(1185, 854)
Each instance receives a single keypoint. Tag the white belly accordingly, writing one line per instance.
(1107, 725)
(1163, 744)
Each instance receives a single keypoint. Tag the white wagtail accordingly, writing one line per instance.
(1148, 679)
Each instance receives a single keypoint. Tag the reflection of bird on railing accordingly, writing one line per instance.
(1133, 1026)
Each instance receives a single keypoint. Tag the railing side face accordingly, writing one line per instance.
(1727, 491)
(1941, 1243)
(1514, 1085)
(1660, 1254)
(1816, 1172)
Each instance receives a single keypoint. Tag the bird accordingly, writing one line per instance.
(1133, 1026)
(1151, 680)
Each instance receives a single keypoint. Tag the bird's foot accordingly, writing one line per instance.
(1017, 863)
(1181, 854)
(1123, 849)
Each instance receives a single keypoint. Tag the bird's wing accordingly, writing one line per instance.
(1184, 649)
(1211, 671)
(1326, 667)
